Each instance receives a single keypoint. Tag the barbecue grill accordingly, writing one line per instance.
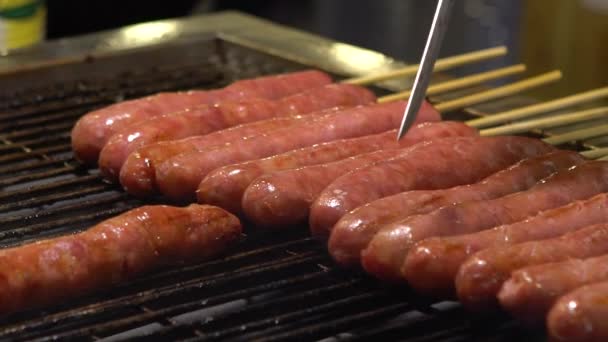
(279, 286)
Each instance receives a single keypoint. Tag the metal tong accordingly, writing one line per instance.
(429, 56)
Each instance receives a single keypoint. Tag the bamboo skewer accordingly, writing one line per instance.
(503, 91)
(577, 135)
(554, 121)
(595, 153)
(460, 83)
(440, 65)
(532, 110)
(499, 92)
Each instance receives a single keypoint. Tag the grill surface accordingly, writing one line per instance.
(280, 286)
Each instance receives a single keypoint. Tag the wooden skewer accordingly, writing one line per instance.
(499, 92)
(459, 83)
(595, 153)
(440, 65)
(553, 121)
(578, 135)
(544, 107)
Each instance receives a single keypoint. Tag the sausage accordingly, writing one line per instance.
(113, 251)
(443, 165)
(225, 186)
(282, 198)
(179, 177)
(479, 278)
(580, 316)
(433, 263)
(351, 234)
(92, 131)
(385, 255)
(531, 290)
(205, 119)
(138, 173)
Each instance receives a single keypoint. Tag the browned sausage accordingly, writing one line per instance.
(225, 186)
(440, 166)
(179, 177)
(434, 262)
(91, 132)
(530, 291)
(117, 249)
(283, 198)
(138, 173)
(351, 234)
(386, 253)
(479, 278)
(205, 119)
(580, 316)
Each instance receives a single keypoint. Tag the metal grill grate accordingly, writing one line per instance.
(279, 286)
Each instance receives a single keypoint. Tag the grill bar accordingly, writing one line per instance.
(41, 153)
(37, 131)
(29, 192)
(63, 196)
(314, 331)
(28, 145)
(37, 120)
(35, 176)
(38, 164)
(300, 314)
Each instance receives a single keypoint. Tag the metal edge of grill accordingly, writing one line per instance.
(280, 287)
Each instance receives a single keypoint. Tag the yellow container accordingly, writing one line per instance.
(22, 23)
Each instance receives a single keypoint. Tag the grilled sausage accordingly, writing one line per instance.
(92, 131)
(386, 253)
(530, 291)
(225, 186)
(138, 173)
(205, 119)
(446, 165)
(117, 249)
(580, 316)
(479, 278)
(433, 263)
(179, 177)
(353, 231)
(283, 198)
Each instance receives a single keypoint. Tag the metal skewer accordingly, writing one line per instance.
(429, 56)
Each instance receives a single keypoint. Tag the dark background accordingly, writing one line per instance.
(394, 27)
(545, 34)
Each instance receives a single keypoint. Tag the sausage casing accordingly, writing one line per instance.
(433, 263)
(351, 234)
(114, 250)
(580, 316)
(225, 186)
(138, 173)
(283, 198)
(530, 291)
(92, 131)
(179, 177)
(480, 277)
(445, 163)
(205, 119)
